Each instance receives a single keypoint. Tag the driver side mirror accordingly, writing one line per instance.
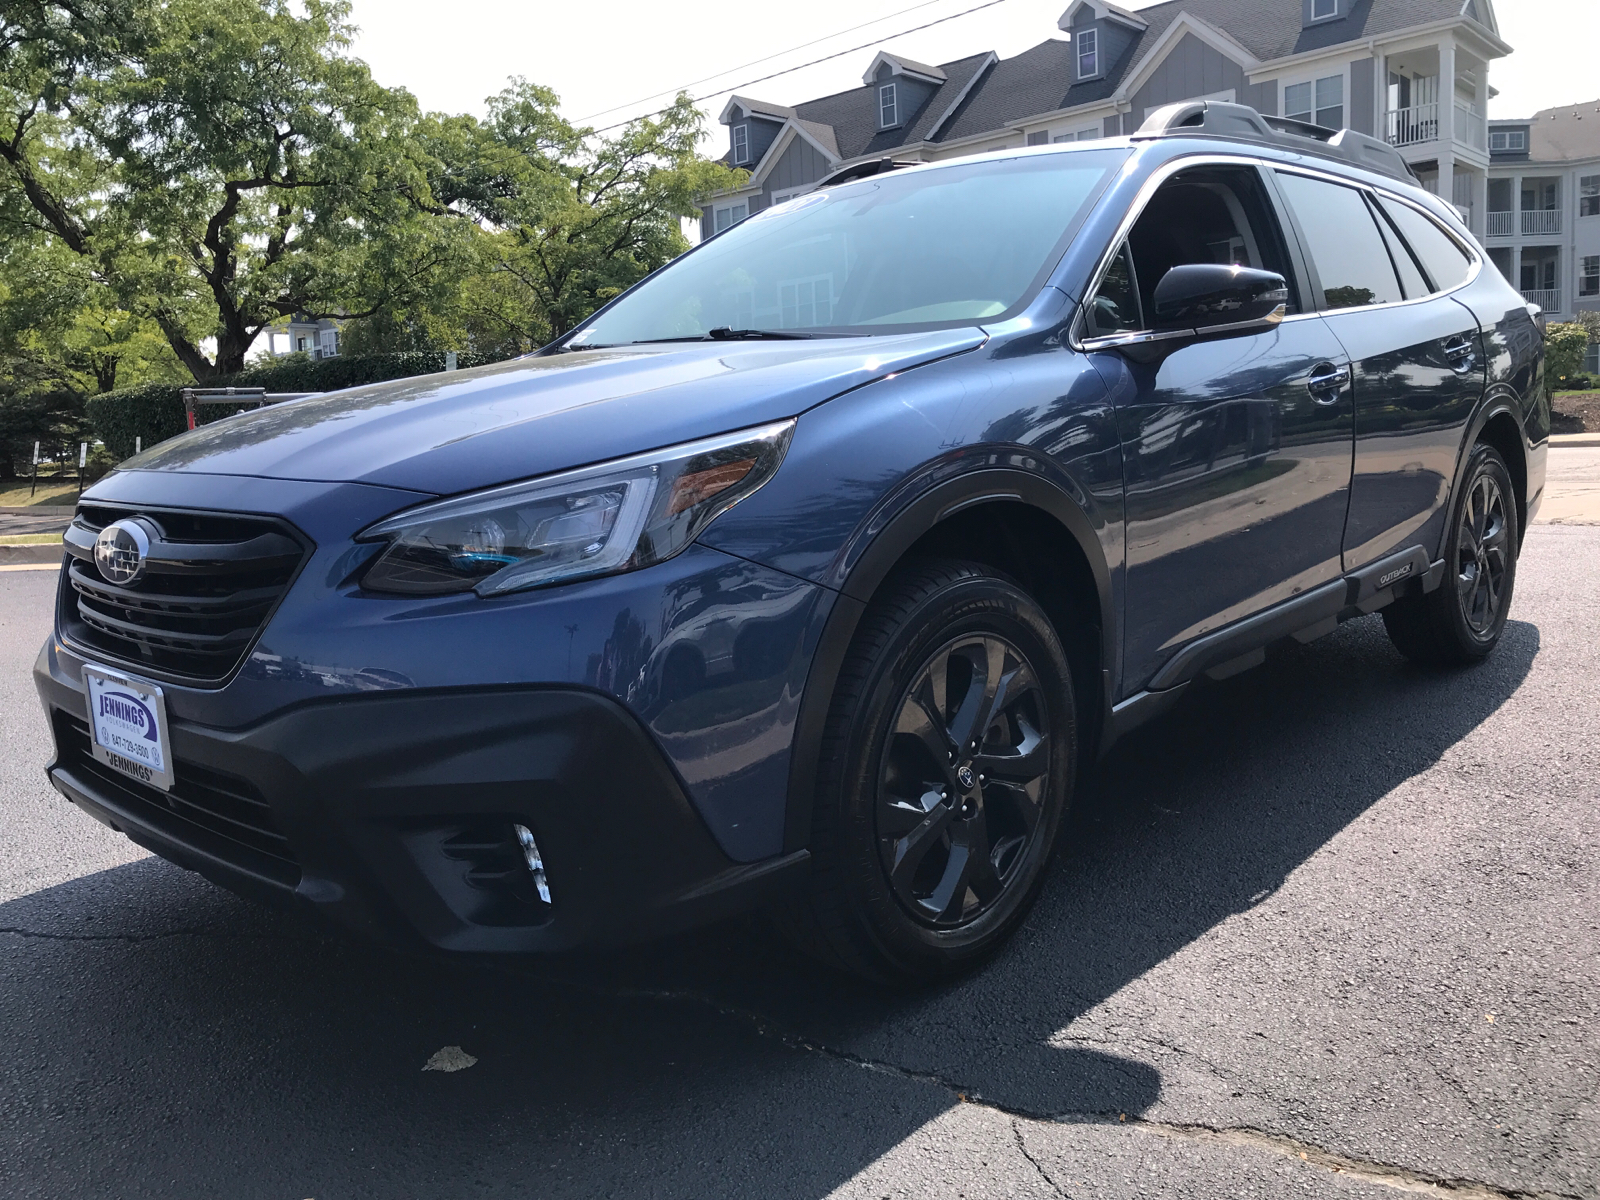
(1202, 296)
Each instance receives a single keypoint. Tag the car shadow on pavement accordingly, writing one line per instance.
(165, 1036)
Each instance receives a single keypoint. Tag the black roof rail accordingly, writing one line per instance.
(862, 170)
(1241, 123)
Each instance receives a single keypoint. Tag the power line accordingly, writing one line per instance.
(758, 61)
(802, 66)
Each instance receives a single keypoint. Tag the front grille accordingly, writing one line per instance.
(219, 813)
(210, 584)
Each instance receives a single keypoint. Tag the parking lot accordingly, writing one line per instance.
(1331, 928)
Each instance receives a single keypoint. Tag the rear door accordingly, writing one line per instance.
(1416, 355)
(1236, 446)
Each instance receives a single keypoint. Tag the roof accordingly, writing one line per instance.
(853, 115)
(909, 66)
(1039, 79)
(1569, 132)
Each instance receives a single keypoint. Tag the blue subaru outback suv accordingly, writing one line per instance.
(813, 569)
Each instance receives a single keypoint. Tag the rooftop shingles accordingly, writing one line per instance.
(1568, 133)
(1039, 80)
(853, 115)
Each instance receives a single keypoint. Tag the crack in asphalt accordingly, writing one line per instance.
(1370, 1171)
(1022, 1148)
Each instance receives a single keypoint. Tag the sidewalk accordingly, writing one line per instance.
(1572, 482)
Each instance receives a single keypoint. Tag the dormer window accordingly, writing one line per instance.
(741, 143)
(1088, 54)
(887, 108)
(1321, 10)
(1508, 139)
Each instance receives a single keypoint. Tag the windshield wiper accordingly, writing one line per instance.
(723, 334)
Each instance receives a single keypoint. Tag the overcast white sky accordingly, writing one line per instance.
(605, 53)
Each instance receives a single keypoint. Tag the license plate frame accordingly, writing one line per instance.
(128, 725)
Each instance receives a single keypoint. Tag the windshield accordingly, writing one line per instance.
(889, 254)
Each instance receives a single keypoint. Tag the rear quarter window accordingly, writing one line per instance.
(1441, 257)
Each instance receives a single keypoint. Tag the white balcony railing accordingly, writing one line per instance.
(1471, 128)
(1548, 299)
(1541, 220)
(1500, 224)
(1408, 126)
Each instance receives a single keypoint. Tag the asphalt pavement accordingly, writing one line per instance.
(1329, 929)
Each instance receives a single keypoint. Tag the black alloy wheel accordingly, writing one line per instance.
(945, 767)
(963, 780)
(1483, 554)
(1461, 620)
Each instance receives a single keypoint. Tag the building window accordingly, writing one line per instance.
(1088, 54)
(1508, 139)
(1039, 138)
(1591, 359)
(741, 143)
(886, 106)
(1322, 9)
(804, 303)
(1589, 277)
(1319, 102)
(728, 215)
(1589, 196)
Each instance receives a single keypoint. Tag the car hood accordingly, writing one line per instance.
(455, 431)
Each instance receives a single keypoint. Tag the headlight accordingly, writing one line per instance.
(600, 520)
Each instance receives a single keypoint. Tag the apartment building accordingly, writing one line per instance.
(1542, 227)
(1413, 71)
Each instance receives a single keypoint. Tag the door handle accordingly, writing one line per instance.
(1327, 382)
(1459, 351)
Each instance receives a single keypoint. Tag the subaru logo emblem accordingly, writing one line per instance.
(966, 777)
(120, 552)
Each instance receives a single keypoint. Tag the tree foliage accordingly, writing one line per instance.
(178, 175)
(1564, 347)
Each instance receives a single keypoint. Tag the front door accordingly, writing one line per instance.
(1381, 268)
(1236, 448)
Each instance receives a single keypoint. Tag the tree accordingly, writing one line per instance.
(217, 164)
(567, 218)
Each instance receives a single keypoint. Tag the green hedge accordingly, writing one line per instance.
(154, 411)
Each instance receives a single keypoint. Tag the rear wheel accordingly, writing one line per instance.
(1462, 619)
(946, 765)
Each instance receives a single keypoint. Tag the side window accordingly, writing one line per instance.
(1207, 215)
(1412, 281)
(1115, 307)
(1343, 242)
(1444, 261)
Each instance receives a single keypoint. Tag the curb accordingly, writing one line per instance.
(1558, 440)
(54, 510)
(30, 554)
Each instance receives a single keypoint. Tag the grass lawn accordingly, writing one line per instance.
(1575, 412)
(30, 539)
(51, 492)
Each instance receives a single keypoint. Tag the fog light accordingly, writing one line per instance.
(531, 856)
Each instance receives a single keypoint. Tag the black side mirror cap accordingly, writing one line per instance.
(1203, 296)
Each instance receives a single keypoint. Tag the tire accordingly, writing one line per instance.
(1461, 620)
(924, 858)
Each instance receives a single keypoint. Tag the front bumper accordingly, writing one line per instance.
(383, 811)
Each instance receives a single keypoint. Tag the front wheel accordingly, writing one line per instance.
(946, 766)
(1461, 620)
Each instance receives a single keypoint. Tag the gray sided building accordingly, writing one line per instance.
(1376, 66)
